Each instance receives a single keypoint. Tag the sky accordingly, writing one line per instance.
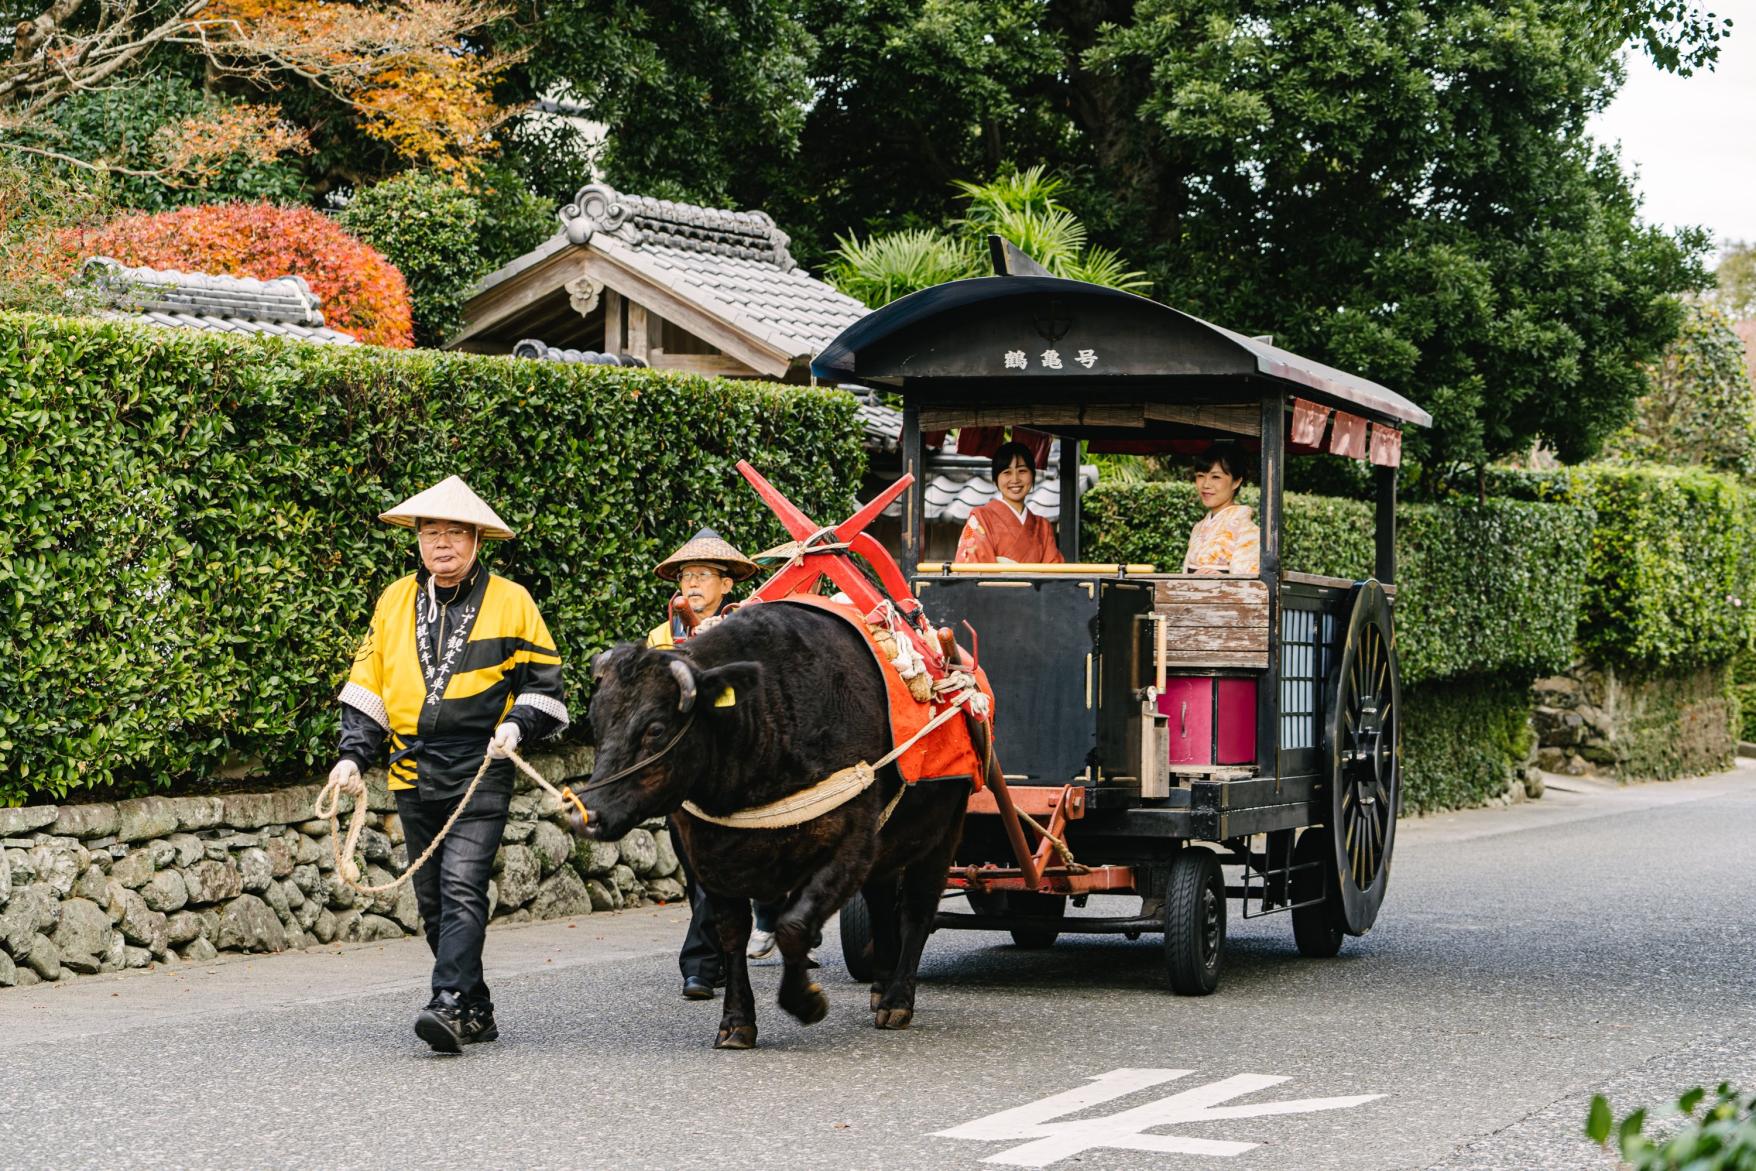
(1692, 141)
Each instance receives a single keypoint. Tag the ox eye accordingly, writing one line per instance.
(655, 730)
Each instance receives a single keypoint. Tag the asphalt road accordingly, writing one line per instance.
(1598, 940)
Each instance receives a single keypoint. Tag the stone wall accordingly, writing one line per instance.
(1596, 720)
(102, 887)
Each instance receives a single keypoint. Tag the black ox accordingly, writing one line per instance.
(806, 699)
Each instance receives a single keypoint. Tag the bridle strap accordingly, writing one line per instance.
(620, 774)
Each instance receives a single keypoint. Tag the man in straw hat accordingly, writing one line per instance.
(457, 663)
(705, 570)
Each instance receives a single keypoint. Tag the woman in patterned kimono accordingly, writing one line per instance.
(1226, 539)
(457, 663)
(1003, 529)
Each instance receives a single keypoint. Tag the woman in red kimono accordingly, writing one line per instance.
(1002, 530)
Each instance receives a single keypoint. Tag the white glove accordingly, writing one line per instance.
(505, 740)
(346, 776)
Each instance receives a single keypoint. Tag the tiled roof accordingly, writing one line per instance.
(880, 423)
(282, 307)
(733, 265)
(530, 347)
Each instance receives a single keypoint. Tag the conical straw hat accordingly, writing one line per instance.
(451, 499)
(709, 547)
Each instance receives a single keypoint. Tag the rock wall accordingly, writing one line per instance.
(1596, 720)
(99, 888)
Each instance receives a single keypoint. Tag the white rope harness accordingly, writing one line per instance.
(843, 785)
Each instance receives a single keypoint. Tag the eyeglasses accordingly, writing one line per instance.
(699, 575)
(446, 536)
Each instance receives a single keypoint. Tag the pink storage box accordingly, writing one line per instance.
(1212, 719)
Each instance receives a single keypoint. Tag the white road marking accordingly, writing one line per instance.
(1126, 1130)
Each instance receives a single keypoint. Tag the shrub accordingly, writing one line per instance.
(1700, 408)
(1669, 585)
(37, 204)
(1671, 562)
(362, 292)
(514, 220)
(192, 546)
(1464, 741)
(1722, 1137)
(1481, 589)
(426, 225)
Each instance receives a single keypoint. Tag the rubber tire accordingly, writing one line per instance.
(1195, 922)
(856, 938)
(1317, 929)
(1039, 915)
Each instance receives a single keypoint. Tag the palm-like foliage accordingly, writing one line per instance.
(1022, 206)
(880, 269)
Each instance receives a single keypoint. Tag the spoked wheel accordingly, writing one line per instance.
(1317, 926)
(1037, 916)
(856, 938)
(1195, 922)
(1365, 759)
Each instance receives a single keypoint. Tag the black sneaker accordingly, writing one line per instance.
(440, 1024)
(478, 1023)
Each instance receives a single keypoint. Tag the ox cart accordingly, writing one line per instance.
(1190, 740)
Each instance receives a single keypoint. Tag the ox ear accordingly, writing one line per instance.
(731, 686)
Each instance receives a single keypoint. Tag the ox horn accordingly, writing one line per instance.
(599, 662)
(686, 682)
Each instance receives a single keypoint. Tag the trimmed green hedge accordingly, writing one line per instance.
(192, 544)
(1464, 741)
(1490, 589)
(1673, 555)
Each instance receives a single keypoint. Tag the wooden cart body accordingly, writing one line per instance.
(1124, 724)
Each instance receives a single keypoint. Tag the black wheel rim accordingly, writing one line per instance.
(1367, 779)
(1364, 758)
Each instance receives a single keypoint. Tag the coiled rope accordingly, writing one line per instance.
(328, 807)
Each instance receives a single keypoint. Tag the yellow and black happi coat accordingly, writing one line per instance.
(439, 670)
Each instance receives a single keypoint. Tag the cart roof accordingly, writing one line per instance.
(1000, 339)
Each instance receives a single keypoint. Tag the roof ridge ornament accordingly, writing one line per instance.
(638, 220)
(596, 207)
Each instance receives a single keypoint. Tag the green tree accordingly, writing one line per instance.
(425, 224)
(1406, 190)
(131, 131)
(1734, 281)
(1701, 408)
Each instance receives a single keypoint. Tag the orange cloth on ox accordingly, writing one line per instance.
(947, 751)
(996, 533)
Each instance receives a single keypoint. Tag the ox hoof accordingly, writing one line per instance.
(809, 1006)
(893, 1018)
(736, 1037)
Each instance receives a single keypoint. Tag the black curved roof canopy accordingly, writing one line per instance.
(1011, 340)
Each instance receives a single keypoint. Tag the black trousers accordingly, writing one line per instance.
(701, 952)
(452, 888)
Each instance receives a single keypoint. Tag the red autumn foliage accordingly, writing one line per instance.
(363, 293)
